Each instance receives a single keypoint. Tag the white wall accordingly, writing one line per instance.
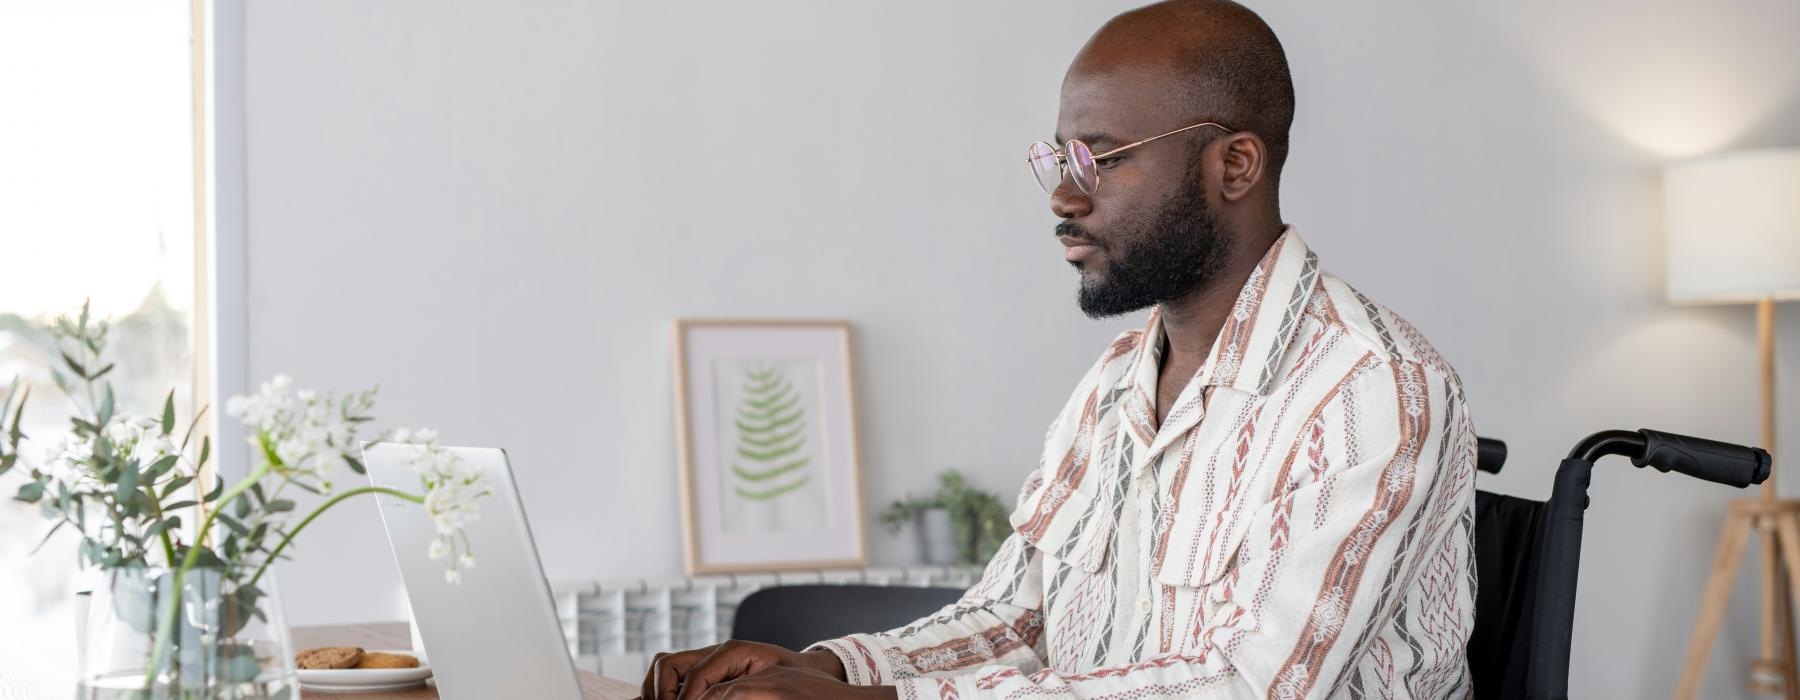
(494, 210)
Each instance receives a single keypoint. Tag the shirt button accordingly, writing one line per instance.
(1144, 605)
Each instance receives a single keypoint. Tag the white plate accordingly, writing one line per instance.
(367, 678)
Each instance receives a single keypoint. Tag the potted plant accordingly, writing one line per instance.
(959, 523)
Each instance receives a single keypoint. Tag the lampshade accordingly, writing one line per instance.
(1733, 224)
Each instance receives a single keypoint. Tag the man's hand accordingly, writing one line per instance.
(783, 683)
(686, 675)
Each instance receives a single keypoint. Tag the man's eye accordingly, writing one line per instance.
(1108, 162)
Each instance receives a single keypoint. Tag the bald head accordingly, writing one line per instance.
(1214, 59)
(1184, 217)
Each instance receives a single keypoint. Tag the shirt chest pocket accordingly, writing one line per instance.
(1203, 547)
(1069, 524)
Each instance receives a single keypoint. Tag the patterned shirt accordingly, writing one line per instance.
(1299, 526)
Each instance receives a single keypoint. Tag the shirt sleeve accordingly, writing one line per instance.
(1335, 568)
(999, 622)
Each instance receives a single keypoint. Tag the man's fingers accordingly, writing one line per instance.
(728, 661)
(667, 671)
(648, 691)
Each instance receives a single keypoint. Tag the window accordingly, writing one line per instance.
(98, 202)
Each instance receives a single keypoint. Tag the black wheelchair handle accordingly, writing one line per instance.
(1711, 460)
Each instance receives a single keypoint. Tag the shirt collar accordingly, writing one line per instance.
(1256, 335)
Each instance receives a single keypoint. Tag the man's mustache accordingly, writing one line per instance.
(1070, 229)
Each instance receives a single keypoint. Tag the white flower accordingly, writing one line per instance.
(401, 435)
(311, 434)
(155, 448)
(453, 576)
(70, 462)
(452, 490)
(425, 435)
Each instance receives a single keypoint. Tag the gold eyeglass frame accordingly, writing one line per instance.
(1062, 157)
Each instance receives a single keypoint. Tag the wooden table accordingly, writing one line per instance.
(397, 635)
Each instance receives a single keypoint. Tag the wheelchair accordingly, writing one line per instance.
(1528, 553)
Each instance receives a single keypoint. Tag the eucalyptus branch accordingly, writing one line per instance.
(165, 623)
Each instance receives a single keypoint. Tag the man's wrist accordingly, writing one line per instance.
(825, 660)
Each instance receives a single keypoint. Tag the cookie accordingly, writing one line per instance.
(381, 659)
(329, 657)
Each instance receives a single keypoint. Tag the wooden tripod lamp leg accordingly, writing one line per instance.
(1768, 673)
(1788, 534)
(1713, 605)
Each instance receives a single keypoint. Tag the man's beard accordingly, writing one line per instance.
(1181, 250)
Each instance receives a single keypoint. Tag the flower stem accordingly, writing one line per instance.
(291, 534)
(165, 623)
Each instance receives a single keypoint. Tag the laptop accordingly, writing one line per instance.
(496, 634)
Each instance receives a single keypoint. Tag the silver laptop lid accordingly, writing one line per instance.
(495, 634)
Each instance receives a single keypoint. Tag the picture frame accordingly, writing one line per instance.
(766, 433)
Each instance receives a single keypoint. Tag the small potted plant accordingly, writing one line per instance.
(958, 524)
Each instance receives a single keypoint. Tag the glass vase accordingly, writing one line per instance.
(225, 644)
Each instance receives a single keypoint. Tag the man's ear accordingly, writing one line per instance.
(1245, 159)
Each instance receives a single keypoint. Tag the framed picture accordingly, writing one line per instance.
(766, 431)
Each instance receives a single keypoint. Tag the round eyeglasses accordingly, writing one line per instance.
(1078, 160)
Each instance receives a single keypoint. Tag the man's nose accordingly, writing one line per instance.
(1068, 201)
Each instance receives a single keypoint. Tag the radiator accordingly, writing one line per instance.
(615, 627)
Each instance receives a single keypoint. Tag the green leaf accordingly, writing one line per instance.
(233, 523)
(171, 522)
(103, 371)
(74, 365)
(175, 484)
(106, 405)
(18, 416)
(178, 505)
(92, 552)
(771, 493)
(356, 465)
(279, 505)
(62, 382)
(205, 450)
(217, 490)
(128, 480)
(168, 417)
(30, 492)
(240, 506)
(160, 467)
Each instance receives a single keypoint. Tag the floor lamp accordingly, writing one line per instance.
(1733, 224)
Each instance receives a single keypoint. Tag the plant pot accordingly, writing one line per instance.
(220, 648)
(937, 536)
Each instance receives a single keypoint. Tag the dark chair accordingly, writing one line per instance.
(1528, 554)
(797, 616)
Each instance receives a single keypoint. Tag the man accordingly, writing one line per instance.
(1268, 492)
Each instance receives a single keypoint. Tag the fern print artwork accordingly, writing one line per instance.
(770, 444)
